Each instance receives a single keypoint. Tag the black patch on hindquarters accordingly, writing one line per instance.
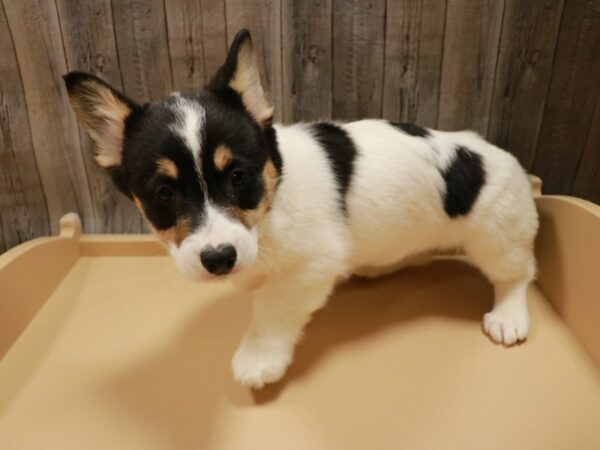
(340, 151)
(464, 178)
(410, 129)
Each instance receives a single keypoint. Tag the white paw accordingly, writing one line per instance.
(258, 362)
(507, 325)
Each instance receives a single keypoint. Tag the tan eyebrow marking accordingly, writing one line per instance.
(167, 168)
(222, 157)
(251, 217)
(177, 233)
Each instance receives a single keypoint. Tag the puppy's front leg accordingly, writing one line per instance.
(281, 309)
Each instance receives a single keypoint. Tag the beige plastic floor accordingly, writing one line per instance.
(128, 355)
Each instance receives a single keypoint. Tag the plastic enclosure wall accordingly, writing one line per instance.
(567, 248)
(568, 254)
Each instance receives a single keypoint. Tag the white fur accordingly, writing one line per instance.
(395, 211)
(191, 118)
(395, 215)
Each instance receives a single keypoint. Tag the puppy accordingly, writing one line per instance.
(290, 209)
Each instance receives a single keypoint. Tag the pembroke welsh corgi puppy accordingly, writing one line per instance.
(291, 209)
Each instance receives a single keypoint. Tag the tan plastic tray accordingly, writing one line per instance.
(106, 346)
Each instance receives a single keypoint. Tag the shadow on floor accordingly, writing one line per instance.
(179, 391)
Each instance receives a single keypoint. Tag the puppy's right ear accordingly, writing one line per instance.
(240, 74)
(102, 111)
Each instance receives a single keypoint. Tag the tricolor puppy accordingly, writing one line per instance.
(293, 208)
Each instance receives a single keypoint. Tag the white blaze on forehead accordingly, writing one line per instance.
(190, 121)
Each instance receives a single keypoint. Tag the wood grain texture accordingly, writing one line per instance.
(214, 35)
(307, 60)
(525, 57)
(36, 33)
(413, 60)
(89, 42)
(524, 73)
(263, 19)
(572, 97)
(469, 63)
(587, 179)
(197, 41)
(142, 44)
(184, 20)
(358, 52)
(23, 211)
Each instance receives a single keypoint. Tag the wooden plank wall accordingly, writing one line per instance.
(524, 73)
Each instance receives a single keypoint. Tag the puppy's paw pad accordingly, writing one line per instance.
(506, 326)
(254, 366)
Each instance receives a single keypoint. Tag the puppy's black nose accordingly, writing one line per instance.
(220, 260)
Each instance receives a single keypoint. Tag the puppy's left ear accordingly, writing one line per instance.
(240, 74)
(102, 111)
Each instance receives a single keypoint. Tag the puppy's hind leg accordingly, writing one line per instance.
(510, 268)
(508, 322)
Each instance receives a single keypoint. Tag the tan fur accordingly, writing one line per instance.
(167, 167)
(222, 157)
(250, 217)
(103, 116)
(246, 82)
(176, 234)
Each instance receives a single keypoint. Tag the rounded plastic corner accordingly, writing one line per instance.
(536, 185)
(70, 226)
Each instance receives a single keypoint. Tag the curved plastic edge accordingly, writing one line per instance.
(30, 272)
(568, 255)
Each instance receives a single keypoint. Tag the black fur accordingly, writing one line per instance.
(219, 84)
(464, 178)
(225, 73)
(413, 130)
(251, 145)
(271, 141)
(149, 137)
(340, 151)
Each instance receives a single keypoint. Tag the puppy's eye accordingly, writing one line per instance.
(238, 177)
(164, 194)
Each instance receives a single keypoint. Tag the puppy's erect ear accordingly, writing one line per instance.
(240, 73)
(102, 111)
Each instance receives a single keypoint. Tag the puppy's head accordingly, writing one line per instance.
(202, 167)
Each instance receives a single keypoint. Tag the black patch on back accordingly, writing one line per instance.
(464, 178)
(413, 130)
(340, 151)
